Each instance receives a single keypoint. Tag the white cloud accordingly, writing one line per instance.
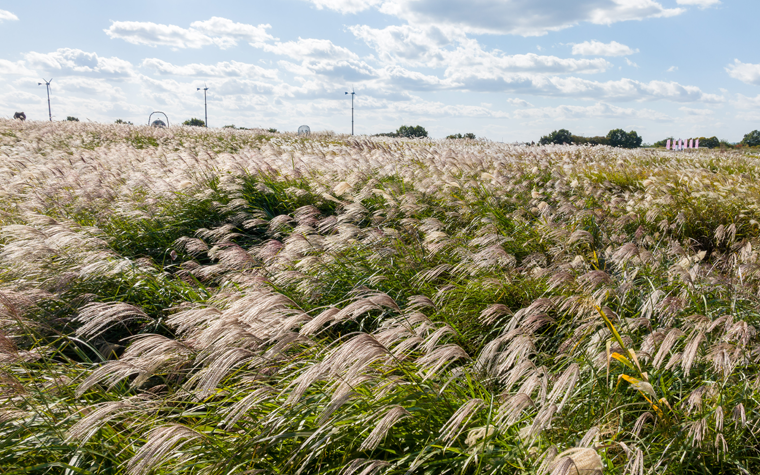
(599, 110)
(745, 102)
(672, 69)
(519, 102)
(321, 57)
(747, 73)
(309, 48)
(436, 47)
(89, 87)
(409, 44)
(631, 63)
(221, 69)
(619, 90)
(217, 31)
(69, 61)
(14, 68)
(690, 111)
(699, 3)
(346, 6)
(478, 62)
(5, 15)
(597, 48)
(519, 17)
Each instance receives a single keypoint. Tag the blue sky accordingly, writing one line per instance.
(509, 70)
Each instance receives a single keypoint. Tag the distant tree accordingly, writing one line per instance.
(272, 131)
(72, 119)
(580, 140)
(708, 142)
(663, 142)
(621, 138)
(119, 121)
(468, 135)
(229, 126)
(386, 134)
(417, 131)
(194, 122)
(752, 139)
(559, 137)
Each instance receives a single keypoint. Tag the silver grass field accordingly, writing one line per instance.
(193, 301)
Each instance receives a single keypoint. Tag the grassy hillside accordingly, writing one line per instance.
(220, 301)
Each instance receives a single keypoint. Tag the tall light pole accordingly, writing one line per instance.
(205, 106)
(47, 84)
(352, 110)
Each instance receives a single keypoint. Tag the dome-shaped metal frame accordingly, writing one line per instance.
(150, 117)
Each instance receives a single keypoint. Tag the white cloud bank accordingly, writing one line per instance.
(5, 15)
(517, 17)
(699, 3)
(221, 32)
(747, 73)
(597, 48)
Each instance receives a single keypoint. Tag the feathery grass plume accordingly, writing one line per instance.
(640, 421)
(239, 410)
(511, 411)
(383, 425)
(459, 420)
(370, 467)
(690, 352)
(696, 431)
(565, 385)
(105, 412)
(97, 318)
(540, 422)
(578, 461)
(438, 359)
(667, 344)
(635, 465)
(547, 459)
(589, 437)
(160, 442)
(493, 312)
(739, 415)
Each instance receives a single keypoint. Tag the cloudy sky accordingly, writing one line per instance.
(508, 70)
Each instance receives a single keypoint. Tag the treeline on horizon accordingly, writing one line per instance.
(622, 139)
(614, 138)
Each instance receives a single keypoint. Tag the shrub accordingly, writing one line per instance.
(559, 137)
(409, 131)
(752, 139)
(468, 135)
(621, 138)
(194, 122)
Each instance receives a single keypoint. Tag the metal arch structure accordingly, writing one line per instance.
(304, 130)
(150, 117)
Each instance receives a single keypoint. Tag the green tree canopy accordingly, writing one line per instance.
(580, 140)
(72, 119)
(194, 122)
(621, 138)
(752, 139)
(561, 136)
(468, 135)
(412, 131)
(709, 142)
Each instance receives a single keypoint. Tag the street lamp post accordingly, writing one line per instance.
(205, 106)
(352, 110)
(47, 84)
